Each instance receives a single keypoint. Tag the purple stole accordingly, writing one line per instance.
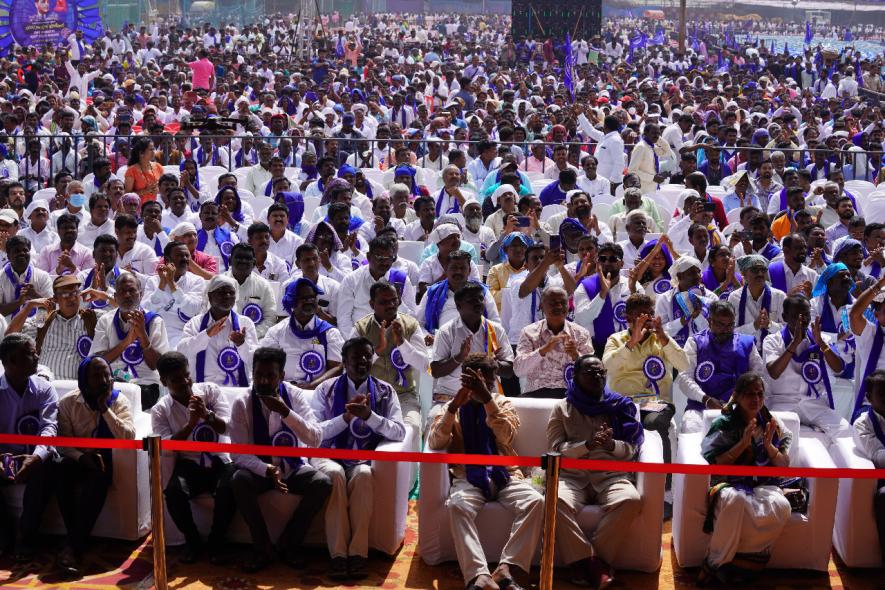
(778, 275)
(719, 366)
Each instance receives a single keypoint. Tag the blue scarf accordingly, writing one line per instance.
(222, 238)
(680, 309)
(766, 305)
(620, 410)
(240, 379)
(480, 440)
(456, 208)
(778, 275)
(261, 429)
(102, 430)
(436, 295)
(13, 278)
(132, 355)
(872, 361)
(770, 251)
(346, 439)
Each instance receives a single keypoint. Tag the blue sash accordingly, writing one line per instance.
(770, 251)
(877, 429)
(604, 324)
(320, 327)
(283, 437)
(87, 283)
(222, 238)
(132, 355)
(778, 275)
(813, 367)
(766, 305)
(872, 361)
(10, 274)
(456, 208)
(480, 440)
(436, 295)
(360, 433)
(238, 379)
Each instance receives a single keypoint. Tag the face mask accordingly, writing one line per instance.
(77, 200)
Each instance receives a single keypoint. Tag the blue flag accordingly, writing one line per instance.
(659, 38)
(809, 34)
(858, 73)
(339, 48)
(848, 36)
(568, 69)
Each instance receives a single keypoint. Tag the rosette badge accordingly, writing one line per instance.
(704, 371)
(662, 286)
(568, 374)
(254, 312)
(620, 312)
(84, 344)
(312, 363)
(396, 359)
(229, 361)
(654, 370)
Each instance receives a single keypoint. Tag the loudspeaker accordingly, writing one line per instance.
(582, 19)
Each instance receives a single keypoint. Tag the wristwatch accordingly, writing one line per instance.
(210, 416)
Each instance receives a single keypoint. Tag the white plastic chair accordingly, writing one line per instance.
(642, 546)
(549, 211)
(855, 537)
(717, 191)
(602, 211)
(806, 539)
(734, 215)
(172, 169)
(860, 188)
(310, 205)
(540, 185)
(410, 250)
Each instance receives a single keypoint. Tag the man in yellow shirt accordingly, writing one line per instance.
(640, 363)
(514, 246)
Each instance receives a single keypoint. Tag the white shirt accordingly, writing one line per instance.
(791, 386)
(753, 307)
(142, 259)
(40, 279)
(598, 186)
(587, 310)
(275, 269)
(89, 231)
(286, 246)
(168, 417)
(431, 270)
(672, 324)
(353, 298)
(281, 336)
(106, 338)
(256, 290)
(195, 340)
(42, 240)
(631, 253)
(161, 236)
(447, 343)
(450, 312)
(803, 274)
(866, 440)
(176, 308)
(386, 419)
(864, 345)
(170, 219)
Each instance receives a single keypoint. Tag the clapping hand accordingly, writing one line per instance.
(359, 407)
(238, 337)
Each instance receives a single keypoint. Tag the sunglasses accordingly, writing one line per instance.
(605, 259)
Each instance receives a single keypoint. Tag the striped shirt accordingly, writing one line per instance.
(59, 349)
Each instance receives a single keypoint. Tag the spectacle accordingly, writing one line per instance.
(605, 259)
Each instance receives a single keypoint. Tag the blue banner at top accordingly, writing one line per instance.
(38, 22)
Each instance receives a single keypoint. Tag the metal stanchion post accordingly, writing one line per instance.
(158, 533)
(550, 462)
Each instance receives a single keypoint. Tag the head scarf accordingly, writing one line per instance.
(346, 169)
(649, 246)
(846, 244)
(237, 213)
(335, 185)
(745, 263)
(219, 281)
(288, 300)
(311, 235)
(512, 237)
(820, 287)
(182, 228)
(83, 372)
(683, 263)
(294, 202)
(406, 169)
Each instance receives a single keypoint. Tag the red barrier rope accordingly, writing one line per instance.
(459, 458)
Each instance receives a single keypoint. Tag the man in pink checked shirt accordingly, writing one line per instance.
(68, 256)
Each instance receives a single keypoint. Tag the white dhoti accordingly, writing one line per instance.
(746, 522)
(692, 422)
(349, 509)
(814, 412)
(618, 498)
(527, 507)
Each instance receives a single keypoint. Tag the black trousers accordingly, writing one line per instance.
(660, 423)
(38, 491)
(190, 480)
(81, 494)
(150, 394)
(879, 511)
(313, 486)
(546, 393)
(510, 385)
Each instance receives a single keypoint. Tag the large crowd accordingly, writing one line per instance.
(635, 233)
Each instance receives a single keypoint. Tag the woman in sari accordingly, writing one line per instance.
(745, 514)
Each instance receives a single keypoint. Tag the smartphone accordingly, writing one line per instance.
(709, 207)
(555, 243)
(745, 235)
(523, 221)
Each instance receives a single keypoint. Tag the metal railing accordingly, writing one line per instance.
(227, 152)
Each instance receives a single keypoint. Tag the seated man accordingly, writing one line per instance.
(312, 345)
(67, 255)
(66, 333)
(479, 421)
(548, 348)
(437, 306)
(717, 356)
(220, 342)
(469, 332)
(789, 274)
(94, 410)
(268, 265)
(134, 255)
(353, 297)
(29, 405)
(683, 309)
(212, 238)
(308, 260)
(869, 337)
(513, 266)
(801, 365)
(402, 354)
(101, 280)
(447, 239)
(255, 298)
(593, 422)
(759, 307)
(355, 411)
(131, 340)
(640, 361)
(275, 413)
(175, 293)
(198, 412)
(21, 280)
(869, 436)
